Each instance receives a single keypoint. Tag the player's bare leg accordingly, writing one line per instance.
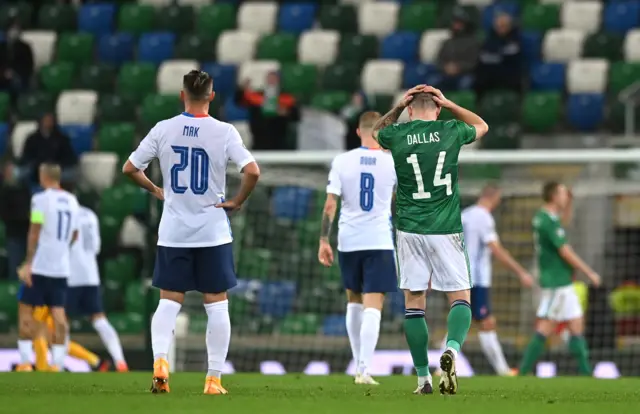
(417, 336)
(163, 324)
(110, 339)
(59, 338)
(368, 336)
(536, 345)
(25, 332)
(218, 338)
(458, 324)
(578, 346)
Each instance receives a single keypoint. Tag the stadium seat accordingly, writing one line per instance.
(32, 105)
(19, 135)
(339, 17)
(8, 295)
(357, 48)
(330, 101)
(240, 309)
(115, 48)
(135, 297)
(116, 202)
(430, 44)
(547, 76)
(136, 80)
(117, 138)
(256, 72)
(621, 16)
(400, 46)
(334, 325)
(213, 19)
(531, 43)
(75, 48)
(583, 15)
(127, 323)
(58, 18)
(224, 77)
(500, 107)
(632, 46)
(541, 111)
(603, 45)
(98, 169)
(587, 76)
(562, 45)
(157, 4)
(96, 19)
(466, 99)
(236, 47)
(258, 17)
(297, 17)
(112, 293)
(136, 18)
(43, 44)
(5, 105)
(585, 111)
(298, 79)
(254, 263)
(156, 47)
(281, 47)
(502, 137)
(382, 76)
(56, 77)
(247, 138)
(276, 298)
(176, 19)
(234, 112)
(76, 107)
(318, 47)
(109, 231)
(622, 75)
(382, 102)
(616, 116)
(418, 17)
(300, 324)
(134, 233)
(195, 46)
(341, 77)
(170, 73)
(378, 19)
(20, 11)
(81, 137)
(292, 203)
(540, 17)
(417, 73)
(117, 108)
(155, 108)
(4, 139)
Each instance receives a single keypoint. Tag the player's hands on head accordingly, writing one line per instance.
(24, 274)
(408, 96)
(325, 253)
(526, 279)
(438, 97)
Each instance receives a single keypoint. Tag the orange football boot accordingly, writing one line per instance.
(122, 367)
(160, 383)
(24, 368)
(213, 386)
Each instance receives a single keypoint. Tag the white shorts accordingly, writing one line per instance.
(436, 259)
(559, 304)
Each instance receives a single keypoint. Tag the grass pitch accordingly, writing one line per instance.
(35, 393)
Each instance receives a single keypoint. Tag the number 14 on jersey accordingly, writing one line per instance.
(438, 179)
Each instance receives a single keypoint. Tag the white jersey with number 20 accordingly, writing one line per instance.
(193, 152)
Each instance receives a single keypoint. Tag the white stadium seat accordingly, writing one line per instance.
(170, 73)
(587, 76)
(98, 169)
(477, 3)
(245, 132)
(42, 43)
(133, 234)
(430, 44)
(19, 135)
(256, 72)
(632, 46)
(356, 2)
(76, 107)
(318, 47)
(258, 17)
(378, 18)
(552, 1)
(382, 76)
(194, 3)
(582, 15)
(236, 47)
(562, 45)
(156, 3)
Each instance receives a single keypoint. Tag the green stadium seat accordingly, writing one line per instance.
(109, 231)
(254, 263)
(59, 18)
(341, 77)
(331, 274)
(326, 298)
(418, 17)
(9, 298)
(300, 324)
(136, 18)
(57, 77)
(383, 103)
(175, 18)
(306, 230)
(466, 99)
(121, 269)
(136, 80)
(98, 77)
(502, 137)
(155, 108)
(342, 18)
(75, 48)
(118, 138)
(500, 106)
(357, 48)
(622, 75)
(197, 47)
(603, 45)
(5, 322)
(135, 300)
(116, 108)
(127, 323)
(298, 79)
(22, 11)
(540, 17)
(112, 295)
(240, 309)
(616, 116)
(282, 47)
(32, 105)
(480, 172)
(114, 203)
(5, 106)
(331, 101)
(541, 111)
(213, 19)
(198, 324)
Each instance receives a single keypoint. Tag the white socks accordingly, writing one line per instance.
(25, 348)
(354, 324)
(163, 324)
(369, 332)
(493, 351)
(58, 354)
(218, 336)
(109, 338)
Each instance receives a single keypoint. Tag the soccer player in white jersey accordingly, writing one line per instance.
(364, 178)
(194, 238)
(83, 296)
(54, 218)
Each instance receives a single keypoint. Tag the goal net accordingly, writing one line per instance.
(287, 311)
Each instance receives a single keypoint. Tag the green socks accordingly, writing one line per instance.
(532, 353)
(417, 335)
(578, 347)
(458, 324)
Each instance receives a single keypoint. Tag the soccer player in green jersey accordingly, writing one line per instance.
(556, 261)
(430, 243)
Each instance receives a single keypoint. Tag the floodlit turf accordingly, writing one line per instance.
(34, 393)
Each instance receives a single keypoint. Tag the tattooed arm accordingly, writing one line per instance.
(389, 118)
(325, 253)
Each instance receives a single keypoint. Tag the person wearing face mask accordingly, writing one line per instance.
(458, 55)
(16, 61)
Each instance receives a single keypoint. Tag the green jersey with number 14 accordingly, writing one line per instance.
(425, 155)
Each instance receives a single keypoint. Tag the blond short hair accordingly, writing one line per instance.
(51, 171)
(368, 119)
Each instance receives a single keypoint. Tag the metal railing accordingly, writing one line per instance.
(630, 97)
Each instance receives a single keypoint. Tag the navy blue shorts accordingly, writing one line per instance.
(205, 269)
(84, 301)
(480, 302)
(369, 271)
(44, 291)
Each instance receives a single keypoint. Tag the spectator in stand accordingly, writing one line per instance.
(500, 61)
(458, 55)
(48, 144)
(351, 114)
(16, 62)
(14, 212)
(271, 112)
